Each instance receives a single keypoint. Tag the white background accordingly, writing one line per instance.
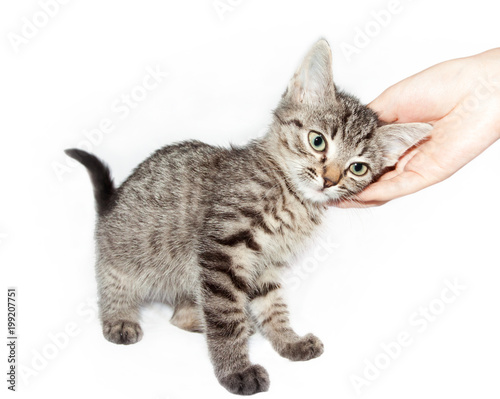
(224, 78)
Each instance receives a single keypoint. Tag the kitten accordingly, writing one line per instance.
(209, 230)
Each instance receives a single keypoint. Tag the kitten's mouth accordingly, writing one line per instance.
(321, 195)
(338, 196)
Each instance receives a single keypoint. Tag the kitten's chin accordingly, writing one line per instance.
(320, 197)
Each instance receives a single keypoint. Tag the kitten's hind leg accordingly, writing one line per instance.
(271, 313)
(119, 307)
(187, 317)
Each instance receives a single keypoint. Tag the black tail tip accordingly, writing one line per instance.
(75, 153)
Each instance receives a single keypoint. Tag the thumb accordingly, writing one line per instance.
(385, 107)
(402, 103)
(407, 182)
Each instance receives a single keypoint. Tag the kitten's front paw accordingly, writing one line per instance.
(305, 348)
(253, 379)
(122, 332)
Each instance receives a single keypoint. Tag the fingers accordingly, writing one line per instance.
(426, 96)
(409, 101)
(351, 204)
(387, 189)
(385, 107)
(407, 182)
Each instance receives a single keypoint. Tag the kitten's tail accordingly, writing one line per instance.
(100, 176)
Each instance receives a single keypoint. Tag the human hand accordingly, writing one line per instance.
(461, 99)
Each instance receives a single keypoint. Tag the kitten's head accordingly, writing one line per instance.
(332, 145)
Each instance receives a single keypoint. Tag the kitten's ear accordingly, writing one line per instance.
(313, 80)
(396, 139)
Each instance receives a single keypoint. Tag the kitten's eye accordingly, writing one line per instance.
(358, 169)
(317, 141)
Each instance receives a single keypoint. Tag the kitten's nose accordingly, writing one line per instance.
(328, 182)
(331, 176)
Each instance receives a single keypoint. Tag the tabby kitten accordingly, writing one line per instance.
(209, 230)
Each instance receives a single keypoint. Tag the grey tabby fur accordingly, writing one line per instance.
(209, 230)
